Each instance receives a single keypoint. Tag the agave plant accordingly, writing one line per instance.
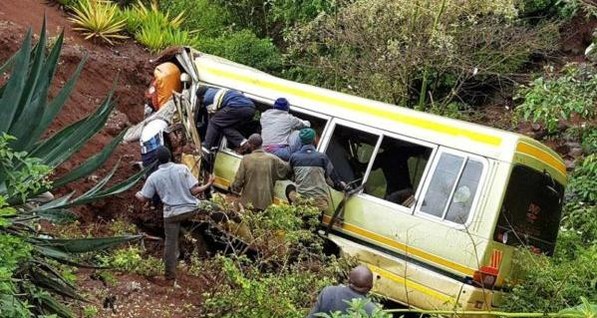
(25, 161)
(98, 19)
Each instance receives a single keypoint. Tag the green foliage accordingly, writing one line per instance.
(246, 48)
(560, 96)
(416, 53)
(584, 181)
(30, 268)
(90, 311)
(155, 29)
(131, 259)
(206, 18)
(22, 175)
(283, 275)
(98, 19)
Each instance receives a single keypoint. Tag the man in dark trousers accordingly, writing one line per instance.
(257, 175)
(230, 109)
(177, 188)
(336, 298)
(312, 172)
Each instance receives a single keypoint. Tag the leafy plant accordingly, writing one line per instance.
(556, 97)
(246, 48)
(356, 309)
(98, 19)
(25, 162)
(204, 17)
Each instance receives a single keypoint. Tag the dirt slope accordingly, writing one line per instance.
(127, 62)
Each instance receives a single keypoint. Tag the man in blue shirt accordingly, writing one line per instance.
(336, 298)
(230, 109)
(177, 188)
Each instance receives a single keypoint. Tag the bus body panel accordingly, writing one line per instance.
(420, 260)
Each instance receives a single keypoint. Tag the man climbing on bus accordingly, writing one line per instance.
(276, 126)
(313, 171)
(230, 110)
(177, 187)
(257, 175)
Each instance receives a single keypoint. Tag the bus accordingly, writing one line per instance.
(443, 204)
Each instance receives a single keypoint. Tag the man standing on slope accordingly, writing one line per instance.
(257, 175)
(313, 171)
(276, 126)
(176, 187)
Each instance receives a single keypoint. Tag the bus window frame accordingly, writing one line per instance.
(329, 132)
(223, 145)
(424, 176)
(477, 196)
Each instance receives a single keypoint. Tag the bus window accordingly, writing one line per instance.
(452, 188)
(350, 151)
(317, 123)
(531, 211)
(397, 171)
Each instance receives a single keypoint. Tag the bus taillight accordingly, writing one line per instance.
(486, 276)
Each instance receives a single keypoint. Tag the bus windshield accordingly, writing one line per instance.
(531, 211)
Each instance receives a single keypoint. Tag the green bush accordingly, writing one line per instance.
(583, 184)
(204, 17)
(559, 96)
(246, 48)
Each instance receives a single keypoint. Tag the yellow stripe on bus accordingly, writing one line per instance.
(222, 182)
(410, 284)
(402, 118)
(409, 250)
(541, 155)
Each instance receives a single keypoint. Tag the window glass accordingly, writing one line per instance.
(318, 124)
(350, 151)
(397, 170)
(464, 193)
(531, 211)
(442, 184)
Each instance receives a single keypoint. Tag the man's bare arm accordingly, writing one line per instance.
(199, 189)
(141, 198)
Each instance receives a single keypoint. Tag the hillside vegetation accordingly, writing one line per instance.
(512, 64)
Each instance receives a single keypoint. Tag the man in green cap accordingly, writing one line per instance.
(313, 171)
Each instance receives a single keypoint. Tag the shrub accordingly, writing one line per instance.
(556, 97)
(279, 274)
(583, 184)
(397, 52)
(246, 48)
(203, 17)
(98, 19)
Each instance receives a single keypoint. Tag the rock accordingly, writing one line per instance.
(117, 122)
(134, 286)
(570, 164)
(575, 152)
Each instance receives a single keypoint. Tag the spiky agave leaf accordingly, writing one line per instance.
(98, 18)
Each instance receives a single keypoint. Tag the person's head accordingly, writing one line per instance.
(255, 141)
(360, 279)
(163, 155)
(282, 104)
(307, 136)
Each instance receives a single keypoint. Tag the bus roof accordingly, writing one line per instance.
(457, 134)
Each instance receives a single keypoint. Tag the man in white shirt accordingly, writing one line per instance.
(177, 188)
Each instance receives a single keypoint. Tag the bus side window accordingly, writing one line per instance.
(350, 151)
(452, 188)
(397, 171)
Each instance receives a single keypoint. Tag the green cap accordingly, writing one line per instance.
(307, 135)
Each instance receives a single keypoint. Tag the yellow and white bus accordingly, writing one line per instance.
(444, 202)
